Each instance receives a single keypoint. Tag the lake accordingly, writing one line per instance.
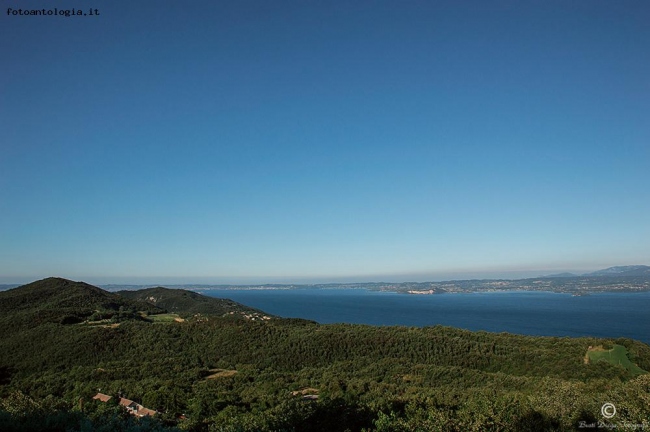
(607, 315)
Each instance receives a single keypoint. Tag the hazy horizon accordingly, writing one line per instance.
(219, 280)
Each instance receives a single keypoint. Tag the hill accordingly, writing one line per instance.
(631, 270)
(187, 303)
(67, 302)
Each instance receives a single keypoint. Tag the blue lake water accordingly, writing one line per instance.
(530, 313)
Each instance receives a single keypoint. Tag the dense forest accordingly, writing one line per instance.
(63, 342)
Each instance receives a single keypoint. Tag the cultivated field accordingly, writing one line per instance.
(616, 356)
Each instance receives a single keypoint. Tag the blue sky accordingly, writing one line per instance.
(304, 141)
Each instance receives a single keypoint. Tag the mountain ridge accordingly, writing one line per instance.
(629, 270)
(60, 293)
(59, 300)
(186, 302)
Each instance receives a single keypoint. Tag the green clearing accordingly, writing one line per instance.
(616, 356)
(220, 373)
(164, 318)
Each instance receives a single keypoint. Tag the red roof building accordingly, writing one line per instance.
(132, 407)
(102, 397)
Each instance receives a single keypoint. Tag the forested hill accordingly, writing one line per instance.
(64, 301)
(186, 303)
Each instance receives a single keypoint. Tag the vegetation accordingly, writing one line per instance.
(57, 300)
(187, 303)
(224, 373)
(617, 355)
(165, 318)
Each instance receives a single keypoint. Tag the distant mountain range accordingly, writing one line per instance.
(631, 270)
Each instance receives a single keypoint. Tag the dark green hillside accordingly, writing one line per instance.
(64, 301)
(227, 374)
(187, 303)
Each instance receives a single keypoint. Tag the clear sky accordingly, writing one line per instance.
(282, 141)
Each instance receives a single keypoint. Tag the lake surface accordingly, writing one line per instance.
(529, 313)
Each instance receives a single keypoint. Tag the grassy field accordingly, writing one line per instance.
(164, 318)
(220, 373)
(616, 356)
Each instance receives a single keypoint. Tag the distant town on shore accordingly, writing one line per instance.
(632, 278)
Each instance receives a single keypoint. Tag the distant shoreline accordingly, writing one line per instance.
(577, 285)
